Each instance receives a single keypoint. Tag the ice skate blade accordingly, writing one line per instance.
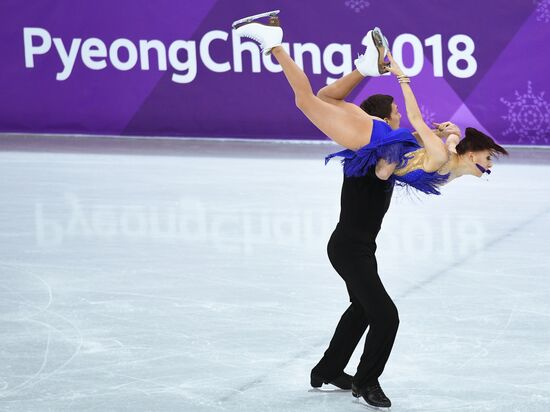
(370, 407)
(386, 43)
(377, 37)
(380, 42)
(249, 19)
(327, 390)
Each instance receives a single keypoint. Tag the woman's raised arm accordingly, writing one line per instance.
(435, 149)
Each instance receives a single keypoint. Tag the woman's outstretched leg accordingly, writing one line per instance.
(344, 125)
(336, 92)
(349, 128)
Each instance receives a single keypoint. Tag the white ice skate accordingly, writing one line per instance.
(268, 35)
(371, 63)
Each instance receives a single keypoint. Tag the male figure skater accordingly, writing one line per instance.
(351, 250)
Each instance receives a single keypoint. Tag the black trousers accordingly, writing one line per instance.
(370, 307)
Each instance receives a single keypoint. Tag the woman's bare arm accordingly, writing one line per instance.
(442, 131)
(419, 139)
(435, 149)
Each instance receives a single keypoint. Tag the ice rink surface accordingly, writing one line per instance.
(156, 282)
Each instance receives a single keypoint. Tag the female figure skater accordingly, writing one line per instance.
(365, 200)
(422, 160)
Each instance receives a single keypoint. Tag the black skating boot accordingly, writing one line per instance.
(343, 381)
(372, 394)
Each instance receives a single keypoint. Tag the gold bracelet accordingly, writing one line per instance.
(403, 78)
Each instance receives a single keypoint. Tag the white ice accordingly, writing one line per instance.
(174, 283)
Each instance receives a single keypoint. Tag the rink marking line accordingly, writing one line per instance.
(171, 388)
(261, 378)
(458, 262)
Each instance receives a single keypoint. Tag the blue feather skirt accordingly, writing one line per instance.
(392, 146)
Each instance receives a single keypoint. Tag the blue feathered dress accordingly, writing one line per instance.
(394, 146)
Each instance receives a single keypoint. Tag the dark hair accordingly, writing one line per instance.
(476, 141)
(378, 105)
